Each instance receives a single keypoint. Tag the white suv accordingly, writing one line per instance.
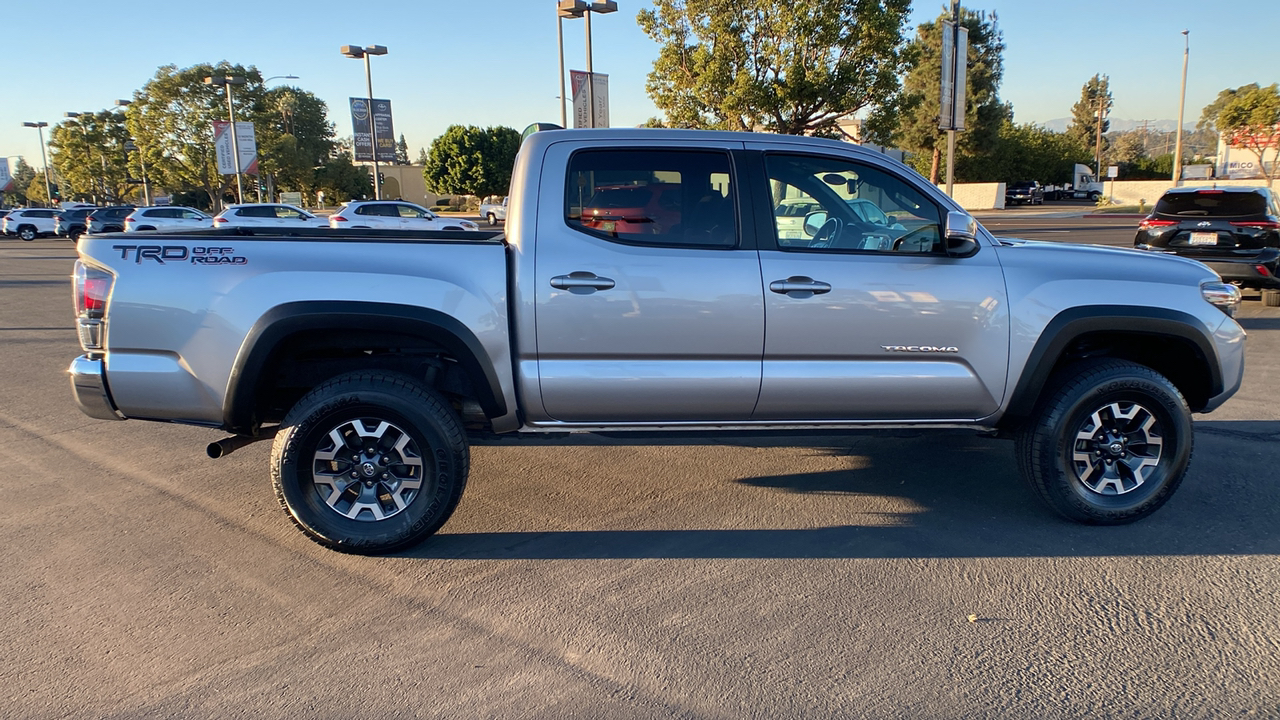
(393, 215)
(166, 219)
(30, 223)
(268, 215)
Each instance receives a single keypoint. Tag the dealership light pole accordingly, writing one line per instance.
(48, 186)
(583, 9)
(356, 52)
(142, 160)
(226, 82)
(1182, 104)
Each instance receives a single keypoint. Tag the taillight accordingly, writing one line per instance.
(1149, 223)
(1259, 224)
(337, 218)
(91, 286)
(1262, 270)
(129, 219)
(219, 220)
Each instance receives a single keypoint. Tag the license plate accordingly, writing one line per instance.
(791, 235)
(1204, 238)
(608, 226)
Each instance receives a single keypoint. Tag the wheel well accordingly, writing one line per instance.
(306, 358)
(1176, 358)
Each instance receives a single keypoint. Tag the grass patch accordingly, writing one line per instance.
(1121, 209)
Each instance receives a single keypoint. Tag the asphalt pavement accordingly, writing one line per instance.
(859, 577)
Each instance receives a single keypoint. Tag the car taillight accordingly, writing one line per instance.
(1260, 224)
(1262, 270)
(219, 220)
(129, 219)
(337, 218)
(1149, 223)
(91, 287)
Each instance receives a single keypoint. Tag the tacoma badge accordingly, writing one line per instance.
(920, 348)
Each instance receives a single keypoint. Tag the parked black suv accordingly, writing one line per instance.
(109, 219)
(1022, 193)
(72, 223)
(1235, 231)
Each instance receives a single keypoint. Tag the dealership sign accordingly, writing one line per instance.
(581, 101)
(248, 142)
(5, 178)
(383, 131)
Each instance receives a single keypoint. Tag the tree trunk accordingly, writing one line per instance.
(933, 170)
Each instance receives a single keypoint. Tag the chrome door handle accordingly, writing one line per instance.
(581, 283)
(799, 284)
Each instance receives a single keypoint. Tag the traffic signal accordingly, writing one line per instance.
(382, 178)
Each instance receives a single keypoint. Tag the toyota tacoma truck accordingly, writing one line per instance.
(641, 285)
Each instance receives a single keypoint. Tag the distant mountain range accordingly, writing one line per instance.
(1122, 125)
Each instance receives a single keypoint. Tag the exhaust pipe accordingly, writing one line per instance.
(226, 446)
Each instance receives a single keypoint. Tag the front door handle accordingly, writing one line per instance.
(799, 286)
(581, 283)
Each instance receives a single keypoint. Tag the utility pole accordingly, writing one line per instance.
(1102, 99)
(1182, 104)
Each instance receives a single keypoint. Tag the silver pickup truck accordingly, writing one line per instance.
(657, 280)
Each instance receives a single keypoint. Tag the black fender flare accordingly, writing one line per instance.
(284, 320)
(1072, 323)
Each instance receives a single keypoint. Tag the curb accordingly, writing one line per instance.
(1129, 216)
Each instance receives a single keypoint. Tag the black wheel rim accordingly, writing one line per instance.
(367, 469)
(1118, 448)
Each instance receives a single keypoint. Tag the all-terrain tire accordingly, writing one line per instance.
(1271, 298)
(370, 462)
(493, 219)
(1109, 442)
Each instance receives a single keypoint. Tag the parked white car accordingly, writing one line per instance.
(170, 218)
(393, 215)
(494, 209)
(269, 215)
(30, 223)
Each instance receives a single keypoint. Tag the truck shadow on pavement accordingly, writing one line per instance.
(952, 497)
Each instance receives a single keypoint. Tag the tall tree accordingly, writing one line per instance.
(402, 151)
(294, 137)
(88, 153)
(341, 181)
(21, 175)
(468, 160)
(787, 67)
(1093, 107)
(1248, 117)
(984, 113)
(171, 120)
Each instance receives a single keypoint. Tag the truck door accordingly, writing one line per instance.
(648, 303)
(873, 321)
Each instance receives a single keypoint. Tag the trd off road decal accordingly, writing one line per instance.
(165, 254)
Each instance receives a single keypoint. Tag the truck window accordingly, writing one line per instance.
(864, 208)
(653, 197)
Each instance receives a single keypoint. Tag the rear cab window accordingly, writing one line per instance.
(653, 197)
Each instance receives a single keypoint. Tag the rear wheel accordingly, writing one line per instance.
(1109, 444)
(493, 219)
(28, 233)
(1271, 298)
(370, 463)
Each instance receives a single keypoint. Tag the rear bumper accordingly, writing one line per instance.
(1247, 272)
(89, 387)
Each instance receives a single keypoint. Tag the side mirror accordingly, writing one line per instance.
(814, 222)
(961, 235)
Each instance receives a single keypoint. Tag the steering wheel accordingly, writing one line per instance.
(828, 234)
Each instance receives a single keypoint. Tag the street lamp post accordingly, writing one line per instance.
(583, 9)
(227, 82)
(1182, 104)
(142, 160)
(48, 186)
(279, 77)
(356, 52)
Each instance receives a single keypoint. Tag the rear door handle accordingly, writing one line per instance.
(581, 282)
(799, 286)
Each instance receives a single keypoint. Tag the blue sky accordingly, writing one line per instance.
(495, 62)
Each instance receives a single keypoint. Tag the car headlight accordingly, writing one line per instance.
(469, 225)
(1226, 297)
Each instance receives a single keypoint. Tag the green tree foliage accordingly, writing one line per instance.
(402, 151)
(1095, 104)
(88, 153)
(172, 117)
(467, 160)
(1022, 152)
(341, 181)
(984, 113)
(1248, 117)
(779, 65)
(294, 137)
(36, 193)
(21, 174)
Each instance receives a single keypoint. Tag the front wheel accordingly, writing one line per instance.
(493, 219)
(1109, 444)
(27, 233)
(370, 462)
